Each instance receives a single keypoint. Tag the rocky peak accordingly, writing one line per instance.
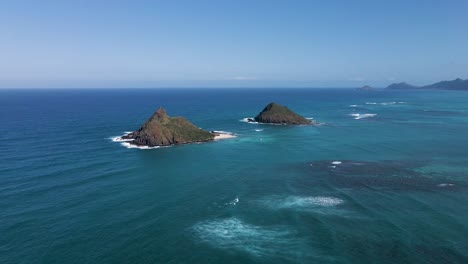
(277, 114)
(160, 115)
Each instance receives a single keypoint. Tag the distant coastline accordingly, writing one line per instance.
(457, 84)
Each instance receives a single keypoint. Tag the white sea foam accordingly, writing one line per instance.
(233, 202)
(353, 105)
(361, 116)
(246, 120)
(301, 202)
(133, 146)
(336, 162)
(223, 135)
(259, 130)
(445, 184)
(120, 139)
(126, 142)
(234, 234)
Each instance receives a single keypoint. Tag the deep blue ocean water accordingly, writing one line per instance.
(389, 185)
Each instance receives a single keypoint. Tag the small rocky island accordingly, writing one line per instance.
(162, 130)
(275, 113)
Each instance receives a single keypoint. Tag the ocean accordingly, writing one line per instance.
(383, 178)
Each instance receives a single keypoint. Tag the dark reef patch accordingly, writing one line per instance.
(385, 174)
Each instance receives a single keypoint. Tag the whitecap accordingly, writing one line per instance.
(233, 202)
(353, 105)
(361, 116)
(259, 130)
(445, 185)
(233, 234)
(336, 162)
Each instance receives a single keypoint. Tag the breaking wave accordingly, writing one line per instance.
(362, 116)
(126, 142)
(223, 135)
(246, 120)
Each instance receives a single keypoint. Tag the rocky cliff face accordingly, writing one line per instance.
(162, 130)
(274, 113)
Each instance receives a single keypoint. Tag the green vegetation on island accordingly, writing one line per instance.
(274, 113)
(162, 130)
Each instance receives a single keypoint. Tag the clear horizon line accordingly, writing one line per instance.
(178, 87)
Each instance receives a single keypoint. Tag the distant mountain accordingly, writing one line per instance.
(457, 84)
(402, 86)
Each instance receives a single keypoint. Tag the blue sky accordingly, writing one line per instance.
(231, 43)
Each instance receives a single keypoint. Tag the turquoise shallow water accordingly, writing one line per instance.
(389, 187)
